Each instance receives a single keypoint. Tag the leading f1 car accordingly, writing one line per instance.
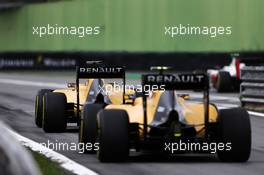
(54, 109)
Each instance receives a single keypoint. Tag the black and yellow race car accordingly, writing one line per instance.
(158, 119)
(55, 108)
(161, 120)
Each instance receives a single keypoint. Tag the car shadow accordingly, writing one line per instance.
(161, 158)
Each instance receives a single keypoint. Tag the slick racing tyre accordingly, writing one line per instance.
(223, 82)
(234, 128)
(113, 135)
(54, 112)
(88, 129)
(39, 106)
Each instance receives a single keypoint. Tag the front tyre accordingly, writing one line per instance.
(234, 127)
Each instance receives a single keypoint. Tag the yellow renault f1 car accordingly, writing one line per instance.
(55, 108)
(163, 121)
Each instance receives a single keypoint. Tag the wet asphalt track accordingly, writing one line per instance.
(17, 110)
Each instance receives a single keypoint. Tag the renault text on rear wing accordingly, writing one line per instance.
(94, 70)
(100, 72)
(181, 81)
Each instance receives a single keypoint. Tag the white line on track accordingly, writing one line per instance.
(226, 106)
(64, 162)
(258, 114)
(215, 97)
(31, 83)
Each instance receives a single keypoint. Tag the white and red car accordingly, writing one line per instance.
(227, 79)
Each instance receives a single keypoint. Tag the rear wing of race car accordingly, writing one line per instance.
(179, 81)
(97, 70)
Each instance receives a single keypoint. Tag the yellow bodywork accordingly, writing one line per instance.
(71, 92)
(193, 112)
(115, 97)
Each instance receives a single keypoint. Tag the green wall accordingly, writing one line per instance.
(135, 25)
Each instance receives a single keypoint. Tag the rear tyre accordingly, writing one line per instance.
(234, 127)
(39, 106)
(113, 135)
(88, 129)
(223, 82)
(54, 112)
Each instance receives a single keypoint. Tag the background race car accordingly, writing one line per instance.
(227, 79)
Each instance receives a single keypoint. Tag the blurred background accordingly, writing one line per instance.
(132, 33)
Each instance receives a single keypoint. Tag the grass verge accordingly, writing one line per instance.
(48, 167)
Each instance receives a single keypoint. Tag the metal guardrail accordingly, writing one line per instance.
(252, 87)
(14, 159)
